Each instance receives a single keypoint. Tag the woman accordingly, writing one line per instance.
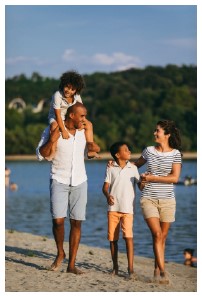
(158, 199)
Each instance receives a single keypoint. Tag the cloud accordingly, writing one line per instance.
(115, 61)
(116, 58)
(68, 55)
(23, 59)
(181, 42)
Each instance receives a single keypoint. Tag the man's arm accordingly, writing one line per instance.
(47, 149)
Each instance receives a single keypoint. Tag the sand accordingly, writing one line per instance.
(28, 258)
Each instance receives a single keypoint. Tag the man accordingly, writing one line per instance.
(68, 182)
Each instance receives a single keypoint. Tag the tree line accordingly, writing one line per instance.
(122, 105)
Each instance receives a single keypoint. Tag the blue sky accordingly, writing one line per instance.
(51, 39)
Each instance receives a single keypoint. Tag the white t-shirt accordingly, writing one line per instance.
(68, 165)
(122, 186)
(59, 102)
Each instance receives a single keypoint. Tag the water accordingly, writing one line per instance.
(27, 209)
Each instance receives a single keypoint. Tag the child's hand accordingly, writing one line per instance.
(110, 163)
(65, 134)
(110, 200)
(141, 185)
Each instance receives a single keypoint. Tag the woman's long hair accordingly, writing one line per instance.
(169, 127)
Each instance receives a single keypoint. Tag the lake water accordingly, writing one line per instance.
(27, 209)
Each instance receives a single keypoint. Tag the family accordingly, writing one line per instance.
(68, 140)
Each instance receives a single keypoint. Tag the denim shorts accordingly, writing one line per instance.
(64, 197)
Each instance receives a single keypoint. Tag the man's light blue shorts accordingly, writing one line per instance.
(64, 197)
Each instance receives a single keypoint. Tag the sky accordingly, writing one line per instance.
(51, 39)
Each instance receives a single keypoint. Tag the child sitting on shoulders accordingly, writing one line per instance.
(70, 87)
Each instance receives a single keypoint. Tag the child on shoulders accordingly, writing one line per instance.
(70, 87)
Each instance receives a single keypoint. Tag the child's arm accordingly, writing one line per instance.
(60, 122)
(105, 190)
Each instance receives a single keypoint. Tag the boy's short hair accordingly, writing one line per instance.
(115, 148)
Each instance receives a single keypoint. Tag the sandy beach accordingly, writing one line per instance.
(28, 258)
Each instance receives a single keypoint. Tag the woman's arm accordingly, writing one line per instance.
(173, 177)
(140, 162)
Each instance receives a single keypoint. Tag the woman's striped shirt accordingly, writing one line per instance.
(159, 164)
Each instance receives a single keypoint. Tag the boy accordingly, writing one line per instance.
(189, 258)
(119, 189)
(71, 84)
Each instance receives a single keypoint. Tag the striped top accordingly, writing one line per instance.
(159, 164)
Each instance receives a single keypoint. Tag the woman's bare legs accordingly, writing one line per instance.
(159, 231)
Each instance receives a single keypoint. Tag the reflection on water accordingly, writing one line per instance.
(27, 209)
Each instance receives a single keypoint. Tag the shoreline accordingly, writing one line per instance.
(28, 257)
(104, 156)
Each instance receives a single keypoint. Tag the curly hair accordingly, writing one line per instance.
(169, 127)
(73, 78)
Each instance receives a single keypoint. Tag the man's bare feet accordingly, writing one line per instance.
(57, 262)
(75, 271)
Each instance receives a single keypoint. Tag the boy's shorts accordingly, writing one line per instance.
(164, 209)
(117, 220)
(64, 197)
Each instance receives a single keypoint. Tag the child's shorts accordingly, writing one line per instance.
(117, 220)
(164, 208)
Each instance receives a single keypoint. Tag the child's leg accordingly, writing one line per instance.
(93, 148)
(53, 126)
(114, 254)
(130, 253)
(127, 228)
(113, 237)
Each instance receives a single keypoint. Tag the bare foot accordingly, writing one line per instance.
(115, 272)
(156, 277)
(57, 263)
(75, 271)
(131, 274)
(164, 278)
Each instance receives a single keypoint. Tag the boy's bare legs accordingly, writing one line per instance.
(114, 254)
(130, 253)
